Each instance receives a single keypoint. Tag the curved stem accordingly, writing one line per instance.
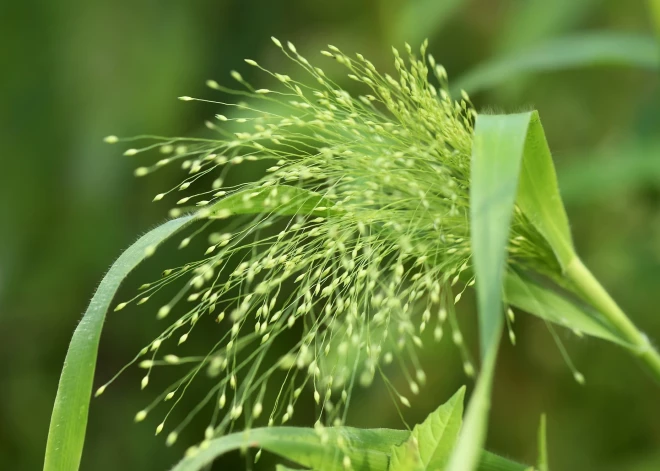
(596, 295)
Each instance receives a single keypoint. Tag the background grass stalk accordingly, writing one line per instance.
(593, 292)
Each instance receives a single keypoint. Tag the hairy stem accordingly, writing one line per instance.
(595, 294)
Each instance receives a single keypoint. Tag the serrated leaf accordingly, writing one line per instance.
(585, 50)
(433, 440)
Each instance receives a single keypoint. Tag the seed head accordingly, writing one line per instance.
(356, 238)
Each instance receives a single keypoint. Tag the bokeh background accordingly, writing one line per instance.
(74, 71)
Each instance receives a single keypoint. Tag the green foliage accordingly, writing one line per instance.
(69, 419)
(426, 448)
(430, 444)
(497, 152)
(593, 49)
(323, 450)
(511, 163)
(532, 297)
(414, 213)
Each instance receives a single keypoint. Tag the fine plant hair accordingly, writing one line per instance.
(359, 243)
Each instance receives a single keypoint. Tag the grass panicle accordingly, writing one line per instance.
(359, 243)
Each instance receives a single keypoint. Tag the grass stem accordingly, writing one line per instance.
(595, 294)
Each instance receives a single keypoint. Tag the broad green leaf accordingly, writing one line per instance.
(431, 442)
(529, 296)
(511, 163)
(497, 153)
(542, 462)
(66, 435)
(366, 449)
(69, 418)
(585, 50)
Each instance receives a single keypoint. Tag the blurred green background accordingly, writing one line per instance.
(74, 71)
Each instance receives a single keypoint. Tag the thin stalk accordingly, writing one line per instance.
(595, 294)
(492, 462)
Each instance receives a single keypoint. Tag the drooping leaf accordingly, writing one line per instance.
(431, 442)
(542, 462)
(528, 295)
(69, 418)
(366, 449)
(585, 50)
(66, 435)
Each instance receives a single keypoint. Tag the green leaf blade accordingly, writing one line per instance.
(367, 450)
(586, 50)
(531, 297)
(538, 193)
(499, 142)
(69, 418)
(66, 434)
(497, 153)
